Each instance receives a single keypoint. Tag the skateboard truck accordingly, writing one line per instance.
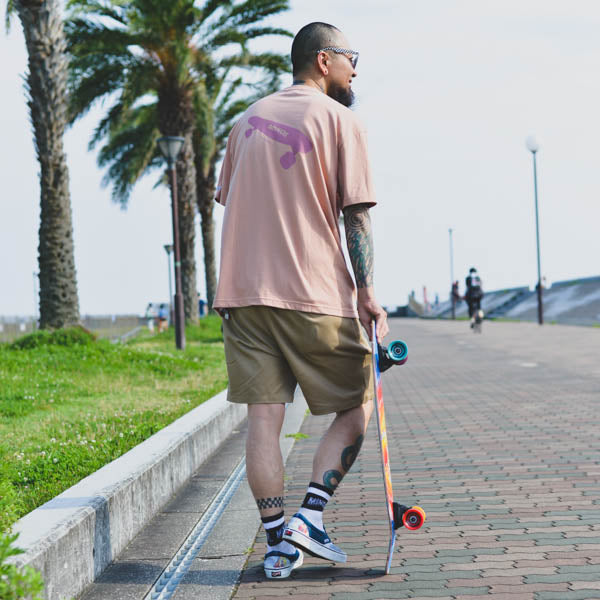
(394, 354)
(411, 518)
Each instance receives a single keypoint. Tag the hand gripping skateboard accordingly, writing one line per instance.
(412, 518)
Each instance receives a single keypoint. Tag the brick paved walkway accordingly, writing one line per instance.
(498, 438)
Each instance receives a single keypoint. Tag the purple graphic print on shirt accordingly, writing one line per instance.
(285, 134)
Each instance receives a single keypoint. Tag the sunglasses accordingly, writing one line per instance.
(351, 54)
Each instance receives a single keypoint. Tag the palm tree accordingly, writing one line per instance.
(47, 91)
(153, 59)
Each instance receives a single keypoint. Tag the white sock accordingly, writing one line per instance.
(317, 497)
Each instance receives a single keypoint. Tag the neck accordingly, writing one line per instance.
(309, 81)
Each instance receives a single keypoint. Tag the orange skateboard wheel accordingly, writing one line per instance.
(414, 518)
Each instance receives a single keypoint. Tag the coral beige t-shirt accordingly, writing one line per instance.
(293, 161)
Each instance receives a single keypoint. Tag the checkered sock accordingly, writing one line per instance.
(317, 497)
(274, 527)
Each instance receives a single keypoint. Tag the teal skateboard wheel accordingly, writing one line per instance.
(398, 352)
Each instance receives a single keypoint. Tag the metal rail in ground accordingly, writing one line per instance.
(175, 571)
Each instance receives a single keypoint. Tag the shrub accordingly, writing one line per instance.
(17, 583)
(70, 336)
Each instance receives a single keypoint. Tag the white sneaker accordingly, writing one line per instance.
(279, 565)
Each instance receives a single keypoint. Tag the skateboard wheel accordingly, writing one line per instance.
(413, 518)
(398, 352)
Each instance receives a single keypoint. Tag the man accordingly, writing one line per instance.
(163, 318)
(474, 293)
(294, 161)
(454, 298)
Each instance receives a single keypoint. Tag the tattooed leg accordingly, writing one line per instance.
(340, 445)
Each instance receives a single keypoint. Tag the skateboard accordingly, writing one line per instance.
(399, 515)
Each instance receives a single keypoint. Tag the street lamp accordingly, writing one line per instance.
(170, 146)
(168, 249)
(452, 298)
(533, 147)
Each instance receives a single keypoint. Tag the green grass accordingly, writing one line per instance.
(297, 436)
(70, 404)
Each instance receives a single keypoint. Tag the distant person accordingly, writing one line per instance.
(201, 306)
(474, 293)
(163, 318)
(455, 294)
(454, 297)
(149, 316)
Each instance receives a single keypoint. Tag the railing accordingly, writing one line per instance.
(104, 326)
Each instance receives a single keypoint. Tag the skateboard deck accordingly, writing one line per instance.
(398, 514)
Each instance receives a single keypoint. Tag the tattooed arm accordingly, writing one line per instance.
(357, 224)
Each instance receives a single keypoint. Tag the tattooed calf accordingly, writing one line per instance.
(351, 452)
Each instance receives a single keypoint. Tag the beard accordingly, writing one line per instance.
(343, 95)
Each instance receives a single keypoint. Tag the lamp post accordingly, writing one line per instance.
(533, 147)
(170, 146)
(452, 299)
(168, 249)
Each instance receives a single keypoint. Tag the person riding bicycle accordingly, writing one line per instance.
(474, 294)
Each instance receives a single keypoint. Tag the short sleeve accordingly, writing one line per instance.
(225, 175)
(355, 182)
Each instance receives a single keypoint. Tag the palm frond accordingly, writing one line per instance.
(102, 62)
(268, 61)
(109, 9)
(112, 121)
(88, 38)
(231, 89)
(225, 36)
(210, 8)
(254, 32)
(252, 11)
(131, 152)
(10, 9)
(84, 91)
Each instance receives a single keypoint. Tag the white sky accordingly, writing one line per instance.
(448, 89)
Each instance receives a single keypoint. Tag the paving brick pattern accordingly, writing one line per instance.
(497, 437)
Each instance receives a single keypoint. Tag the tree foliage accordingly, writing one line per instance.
(127, 52)
(170, 68)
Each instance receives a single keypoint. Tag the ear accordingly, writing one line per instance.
(322, 60)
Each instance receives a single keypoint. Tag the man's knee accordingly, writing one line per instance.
(358, 417)
(265, 420)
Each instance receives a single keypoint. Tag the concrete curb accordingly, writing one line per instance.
(72, 538)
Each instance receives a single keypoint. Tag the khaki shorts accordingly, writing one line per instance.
(270, 350)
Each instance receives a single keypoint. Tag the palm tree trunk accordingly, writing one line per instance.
(186, 205)
(46, 85)
(208, 241)
(205, 190)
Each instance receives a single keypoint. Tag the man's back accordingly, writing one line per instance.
(294, 161)
(474, 287)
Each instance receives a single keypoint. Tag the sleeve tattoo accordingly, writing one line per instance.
(357, 224)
